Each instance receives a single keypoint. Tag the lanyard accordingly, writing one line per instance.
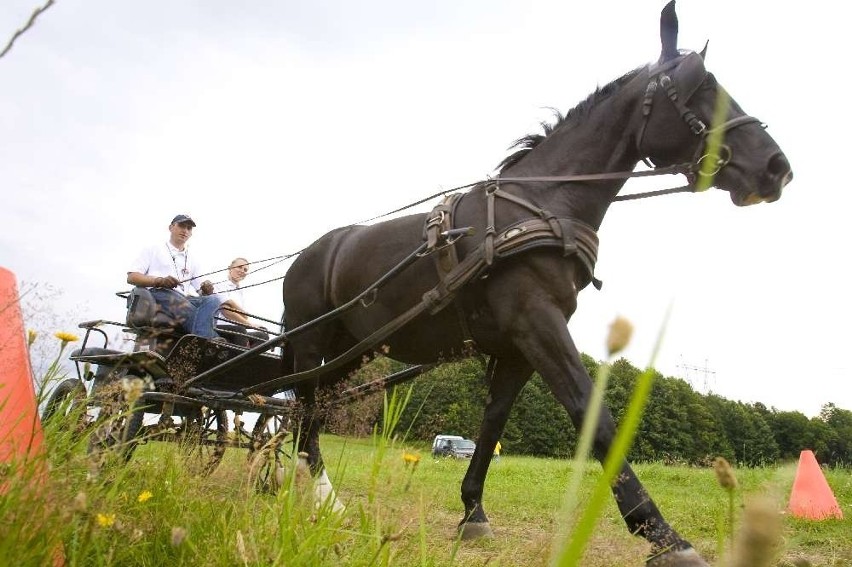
(181, 274)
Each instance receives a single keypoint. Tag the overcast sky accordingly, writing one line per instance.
(273, 122)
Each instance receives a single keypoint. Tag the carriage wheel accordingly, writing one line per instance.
(68, 399)
(203, 438)
(267, 458)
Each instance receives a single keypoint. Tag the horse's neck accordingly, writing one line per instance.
(602, 141)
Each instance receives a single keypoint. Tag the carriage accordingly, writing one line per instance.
(153, 393)
(430, 294)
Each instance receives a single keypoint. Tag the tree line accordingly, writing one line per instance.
(679, 425)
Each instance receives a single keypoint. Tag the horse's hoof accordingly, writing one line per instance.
(677, 558)
(474, 530)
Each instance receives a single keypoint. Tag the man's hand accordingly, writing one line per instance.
(207, 288)
(169, 282)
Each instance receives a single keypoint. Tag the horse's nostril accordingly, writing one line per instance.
(779, 166)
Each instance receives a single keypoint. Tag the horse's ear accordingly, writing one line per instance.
(703, 52)
(668, 32)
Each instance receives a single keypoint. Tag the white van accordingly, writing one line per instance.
(452, 446)
(442, 442)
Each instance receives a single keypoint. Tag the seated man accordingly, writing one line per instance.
(174, 278)
(232, 306)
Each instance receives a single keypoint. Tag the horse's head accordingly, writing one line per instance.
(687, 116)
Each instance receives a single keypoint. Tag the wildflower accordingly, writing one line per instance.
(31, 337)
(241, 547)
(410, 459)
(65, 337)
(133, 389)
(619, 335)
(178, 535)
(303, 471)
(759, 539)
(144, 496)
(105, 520)
(257, 399)
(80, 502)
(725, 473)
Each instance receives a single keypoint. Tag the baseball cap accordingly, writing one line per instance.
(183, 218)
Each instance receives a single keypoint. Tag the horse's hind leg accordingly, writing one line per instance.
(311, 354)
(506, 380)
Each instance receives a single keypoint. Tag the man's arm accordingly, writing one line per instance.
(144, 280)
(227, 307)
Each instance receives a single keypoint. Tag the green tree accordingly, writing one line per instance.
(448, 399)
(538, 424)
(790, 429)
(839, 445)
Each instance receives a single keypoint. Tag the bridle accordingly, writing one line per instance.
(704, 163)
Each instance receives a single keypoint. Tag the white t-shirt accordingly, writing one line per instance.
(163, 260)
(229, 290)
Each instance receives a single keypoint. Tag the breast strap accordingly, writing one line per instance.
(570, 235)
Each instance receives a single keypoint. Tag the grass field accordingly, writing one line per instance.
(152, 512)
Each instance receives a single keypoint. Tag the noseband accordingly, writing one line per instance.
(660, 78)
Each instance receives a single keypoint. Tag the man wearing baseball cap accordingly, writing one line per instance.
(174, 277)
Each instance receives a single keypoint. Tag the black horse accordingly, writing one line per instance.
(510, 290)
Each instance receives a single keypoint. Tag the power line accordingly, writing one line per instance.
(705, 373)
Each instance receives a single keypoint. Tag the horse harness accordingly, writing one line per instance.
(572, 236)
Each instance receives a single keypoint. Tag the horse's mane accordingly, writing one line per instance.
(529, 142)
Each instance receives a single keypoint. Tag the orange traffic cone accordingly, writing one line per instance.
(811, 497)
(20, 428)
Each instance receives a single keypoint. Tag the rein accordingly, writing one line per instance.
(682, 168)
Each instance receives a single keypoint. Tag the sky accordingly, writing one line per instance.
(274, 122)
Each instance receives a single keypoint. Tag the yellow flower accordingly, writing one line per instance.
(31, 337)
(410, 459)
(105, 520)
(619, 335)
(66, 337)
(144, 496)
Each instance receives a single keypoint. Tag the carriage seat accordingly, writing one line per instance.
(83, 353)
(144, 312)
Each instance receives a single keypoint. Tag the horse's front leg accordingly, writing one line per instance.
(544, 340)
(506, 380)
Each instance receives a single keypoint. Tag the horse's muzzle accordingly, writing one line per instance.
(780, 174)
